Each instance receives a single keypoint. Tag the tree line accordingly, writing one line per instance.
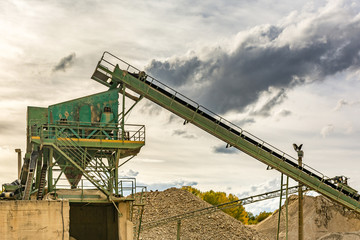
(238, 212)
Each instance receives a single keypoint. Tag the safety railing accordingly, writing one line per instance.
(84, 130)
(127, 187)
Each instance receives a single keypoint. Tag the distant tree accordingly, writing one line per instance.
(251, 218)
(192, 190)
(216, 198)
(262, 216)
(258, 218)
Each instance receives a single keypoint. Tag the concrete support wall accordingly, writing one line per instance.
(125, 225)
(40, 220)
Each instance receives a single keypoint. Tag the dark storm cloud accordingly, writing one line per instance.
(179, 71)
(268, 57)
(65, 63)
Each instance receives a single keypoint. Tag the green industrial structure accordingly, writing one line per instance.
(81, 137)
(74, 151)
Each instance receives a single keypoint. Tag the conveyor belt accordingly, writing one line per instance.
(109, 73)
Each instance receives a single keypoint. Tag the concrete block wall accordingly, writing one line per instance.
(40, 220)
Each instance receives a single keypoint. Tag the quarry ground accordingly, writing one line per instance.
(323, 219)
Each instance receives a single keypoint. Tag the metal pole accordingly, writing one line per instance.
(281, 190)
(18, 150)
(123, 115)
(287, 212)
(300, 207)
(50, 172)
(301, 217)
(116, 180)
(178, 229)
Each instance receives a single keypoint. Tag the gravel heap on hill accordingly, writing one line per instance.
(215, 226)
(323, 219)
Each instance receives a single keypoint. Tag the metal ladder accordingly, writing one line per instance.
(42, 182)
(30, 176)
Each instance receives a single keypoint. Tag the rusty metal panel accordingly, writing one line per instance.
(74, 110)
(35, 118)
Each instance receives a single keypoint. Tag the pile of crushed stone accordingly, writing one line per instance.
(216, 226)
(323, 219)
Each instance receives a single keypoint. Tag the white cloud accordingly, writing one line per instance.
(327, 130)
(161, 186)
(342, 103)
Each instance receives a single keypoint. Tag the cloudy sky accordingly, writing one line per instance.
(286, 72)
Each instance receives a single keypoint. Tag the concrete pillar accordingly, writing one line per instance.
(18, 150)
(125, 225)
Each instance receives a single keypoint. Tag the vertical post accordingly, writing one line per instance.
(123, 115)
(112, 173)
(300, 207)
(140, 221)
(301, 216)
(82, 189)
(116, 177)
(287, 212)
(121, 188)
(50, 175)
(281, 191)
(178, 229)
(18, 150)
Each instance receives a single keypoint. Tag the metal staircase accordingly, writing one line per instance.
(42, 181)
(88, 165)
(30, 176)
(113, 72)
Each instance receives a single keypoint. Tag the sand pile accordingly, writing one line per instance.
(323, 219)
(215, 226)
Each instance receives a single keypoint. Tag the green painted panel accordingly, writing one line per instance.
(86, 108)
(37, 115)
(85, 115)
(35, 118)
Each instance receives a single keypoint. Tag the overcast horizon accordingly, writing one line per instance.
(287, 72)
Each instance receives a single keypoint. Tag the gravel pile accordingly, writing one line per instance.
(323, 219)
(215, 226)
